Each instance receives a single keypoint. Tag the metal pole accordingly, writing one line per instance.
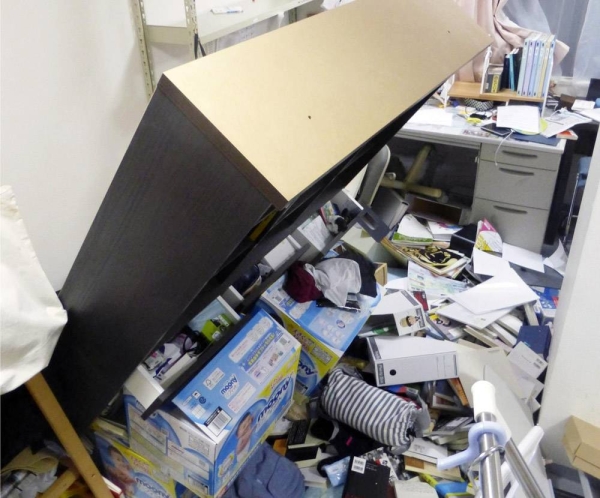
(490, 476)
(519, 468)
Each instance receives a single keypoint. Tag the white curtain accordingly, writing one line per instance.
(576, 22)
(506, 33)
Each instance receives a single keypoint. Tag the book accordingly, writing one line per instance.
(547, 52)
(459, 390)
(414, 489)
(442, 231)
(521, 79)
(366, 479)
(411, 232)
(426, 450)
(549, 68)
(447, 328)
(422, 467)
(452, 426)
(537, 58)
(441, 262)
(529, 63)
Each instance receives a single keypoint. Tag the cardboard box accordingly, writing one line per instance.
(404, 360)
(137, 476)
(381, 273)
(215, 422)
(582, 443)
(325, 333)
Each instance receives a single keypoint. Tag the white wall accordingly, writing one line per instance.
(573, 380)
(72, 94)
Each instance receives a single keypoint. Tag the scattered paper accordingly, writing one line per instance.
(558, 260)
(506, 290)
(461, 314)
(523, 257)
(398, 284)
(432, 116)
(523, 118)
(583, 105)
(436, 288)
(561, 121)
(592, 114)
(316, 232)
(487, 264)
(488, 239)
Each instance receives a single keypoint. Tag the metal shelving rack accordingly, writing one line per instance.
(212, 27)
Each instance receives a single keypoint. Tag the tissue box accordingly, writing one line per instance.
(209, 430)
(325, 333)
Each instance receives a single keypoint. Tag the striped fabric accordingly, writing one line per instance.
(381, 415)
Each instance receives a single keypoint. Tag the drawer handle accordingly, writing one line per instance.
(519, 154)
(509, 210)
(516, 172)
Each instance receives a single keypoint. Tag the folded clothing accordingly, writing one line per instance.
(267, 475)
(379, 414)
(300, 284)
(336, 278)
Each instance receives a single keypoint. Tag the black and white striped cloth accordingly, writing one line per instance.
(381, 415)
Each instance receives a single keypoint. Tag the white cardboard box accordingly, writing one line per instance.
(403, 360)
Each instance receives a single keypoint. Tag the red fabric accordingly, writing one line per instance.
(300, 284)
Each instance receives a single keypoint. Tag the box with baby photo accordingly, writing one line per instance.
(325, 333)
(218, 419)
(137, 476)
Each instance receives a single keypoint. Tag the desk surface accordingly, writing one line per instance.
(463, 134)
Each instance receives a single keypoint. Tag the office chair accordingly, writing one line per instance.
(376, 176)
(583, 168)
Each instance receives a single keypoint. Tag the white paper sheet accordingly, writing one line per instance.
(519, 117)
(592, 114)
(523, 257)
(506, 290)
(316, 232)
(398, 283)
(432, 116)
(562, 121)
(461, 314)
(558, 260)
(485, 263)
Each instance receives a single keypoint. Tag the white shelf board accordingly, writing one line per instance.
(213, 26)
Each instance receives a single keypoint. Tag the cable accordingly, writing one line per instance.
(500, 145)
(197, 44)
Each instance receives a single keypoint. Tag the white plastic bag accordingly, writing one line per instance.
(31, 315)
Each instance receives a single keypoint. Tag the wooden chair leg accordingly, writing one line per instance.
(44, 397)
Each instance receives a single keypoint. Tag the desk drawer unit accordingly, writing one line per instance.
(514, 184)
(520, 157)
(518, 225)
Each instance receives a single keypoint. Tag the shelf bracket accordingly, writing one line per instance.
(139, 18)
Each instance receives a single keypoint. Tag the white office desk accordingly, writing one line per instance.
(515, 183)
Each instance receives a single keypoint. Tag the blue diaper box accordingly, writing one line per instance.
(214, 423)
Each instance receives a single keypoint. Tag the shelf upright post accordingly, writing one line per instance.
(139, 17)
(192, 27)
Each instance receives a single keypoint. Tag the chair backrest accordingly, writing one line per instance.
(375, 171)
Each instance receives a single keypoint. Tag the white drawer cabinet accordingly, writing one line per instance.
(514, 190)
(518, 225)
(515, 184)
